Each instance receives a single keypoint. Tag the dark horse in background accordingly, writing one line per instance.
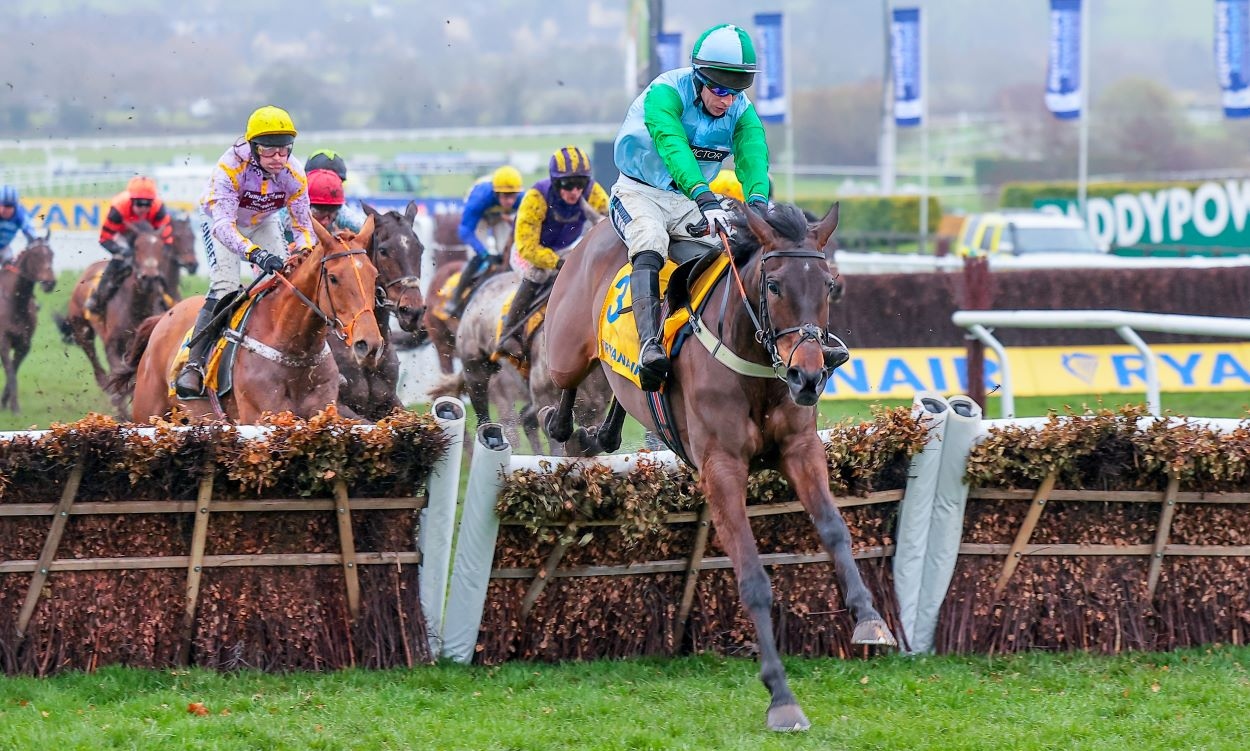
(19, 311)
(144, 292)
(729, 423)
(395, 250)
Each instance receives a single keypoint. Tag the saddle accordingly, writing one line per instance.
(685, 281)
(528, 325)
(219, 369)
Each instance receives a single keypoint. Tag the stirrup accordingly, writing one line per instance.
(653, 374)
(185, 390)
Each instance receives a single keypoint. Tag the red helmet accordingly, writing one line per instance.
(141, 187)
(325, 188)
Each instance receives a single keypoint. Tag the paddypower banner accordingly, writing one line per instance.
(1232, 37)
(1214, 214)
(1043, 371)
(1063, 73)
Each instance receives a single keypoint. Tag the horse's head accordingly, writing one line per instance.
(182, 250)
(35, 263)
(345, 291)
(795, 284)
(396, 251)
(148, 249)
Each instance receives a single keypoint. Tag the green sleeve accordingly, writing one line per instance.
(662, 114)
(751, 155)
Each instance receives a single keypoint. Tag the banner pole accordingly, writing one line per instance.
(924, 128)
(1082, 170)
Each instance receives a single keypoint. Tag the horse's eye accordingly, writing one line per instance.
(333, 279)
(383, 251)
(773, 287)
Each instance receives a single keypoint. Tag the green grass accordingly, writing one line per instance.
(1194, 699)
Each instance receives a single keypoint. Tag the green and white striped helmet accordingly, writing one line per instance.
(725, 56)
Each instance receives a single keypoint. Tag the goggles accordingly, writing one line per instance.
(716, 89)
(572, 183)
(141, 203)
(271, 151)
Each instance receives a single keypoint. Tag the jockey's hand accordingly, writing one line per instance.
(268, 262)
(760, 206)
(112, 246)
(713, 213)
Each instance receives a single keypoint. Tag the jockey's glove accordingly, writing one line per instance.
(713, 213)
(268, 262)
(760, 205)
(113, 247)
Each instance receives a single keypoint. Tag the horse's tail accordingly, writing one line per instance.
(65, 327)
(451, 384)
(123, 380)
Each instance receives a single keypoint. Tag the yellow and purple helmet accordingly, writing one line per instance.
(569, 161)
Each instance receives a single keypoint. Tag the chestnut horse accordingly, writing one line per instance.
(776, 317)
(19, 311)
(283, 362)
(143, 293)
(396, 251)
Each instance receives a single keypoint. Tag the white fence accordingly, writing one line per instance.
(1126, 324)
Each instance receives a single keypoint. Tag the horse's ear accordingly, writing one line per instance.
(365, 235)
(369, 210)
(323, 235)
(823, 230)
(410, 212)
(759, 226)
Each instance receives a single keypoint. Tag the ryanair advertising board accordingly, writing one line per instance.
(1043, 371)
(76, 214)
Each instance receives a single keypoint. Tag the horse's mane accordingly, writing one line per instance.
(787, 220)
(142, 226)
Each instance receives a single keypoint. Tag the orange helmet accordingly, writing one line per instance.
(325, 188)
(141, 187)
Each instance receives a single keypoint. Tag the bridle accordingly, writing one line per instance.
(335, 324)
(766, 334)
(382, 297)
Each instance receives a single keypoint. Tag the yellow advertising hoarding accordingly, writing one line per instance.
(75, 214)
(1044, 371)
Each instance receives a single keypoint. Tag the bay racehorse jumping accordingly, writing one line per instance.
(395, 250)
(731, 416)
(283, 362)
(19, 311)
(142, 293)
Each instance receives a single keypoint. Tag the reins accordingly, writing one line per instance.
(765, 335)
(335, 324)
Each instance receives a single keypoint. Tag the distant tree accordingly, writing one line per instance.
(73, 118)
(307, 97)
(1138, 126)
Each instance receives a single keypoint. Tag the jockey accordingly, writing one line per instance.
(490, 200)
(549, 221)
(13, 219)
(137, 203)
(327, 201)
(726, 185)
(253, 179)
(671, 145)
(351, 216)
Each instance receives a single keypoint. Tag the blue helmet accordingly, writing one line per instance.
(8, 195)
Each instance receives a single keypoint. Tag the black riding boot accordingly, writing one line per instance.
(468, 277)
(644, 285)
(190, 380)
(511, 339)
(110, 281)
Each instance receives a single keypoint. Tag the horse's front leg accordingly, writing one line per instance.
(805, 466)
(21, 348)
(724, 481)
(9, 399)
(558, 421)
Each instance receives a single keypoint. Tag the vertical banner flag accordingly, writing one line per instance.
(905, 60)
(1232, 23)
(769, 94)
(1063, 74)
(668, 50)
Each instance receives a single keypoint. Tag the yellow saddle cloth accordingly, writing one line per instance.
(445, 292)
(618, 334)
(213, 367)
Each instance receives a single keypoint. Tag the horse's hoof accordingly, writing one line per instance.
(873, 631)
(787, 718)
(546, 418)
